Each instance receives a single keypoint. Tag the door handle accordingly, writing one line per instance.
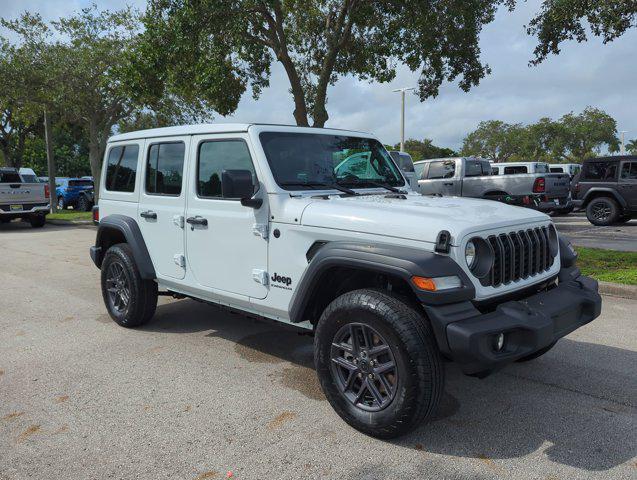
(197, 221)
(448, 184)
(149, 214)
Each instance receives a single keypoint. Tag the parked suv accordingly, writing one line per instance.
(72, 192)
(266, 220)
(607, 189)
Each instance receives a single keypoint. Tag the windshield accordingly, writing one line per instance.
(299, 160)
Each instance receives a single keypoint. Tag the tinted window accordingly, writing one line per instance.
(121, 168)
(10, 177)
(474, 168)
(164, 168)
(557, 170)
(301, 159)
(629, 171)
(214, 158)
(445, 169)
(514, 170)
(600, 171)
(80, 183)
(495, 171)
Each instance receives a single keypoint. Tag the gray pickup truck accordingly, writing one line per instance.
(535, 187)
(27, 201)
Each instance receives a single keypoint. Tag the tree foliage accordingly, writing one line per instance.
(562, 20)
(572, 138)
(214, 50)
(631, 147)
(424, 149)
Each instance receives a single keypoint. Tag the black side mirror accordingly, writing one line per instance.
(239, 184)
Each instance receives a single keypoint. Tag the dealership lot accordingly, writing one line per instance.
(582, 233)
(200, 391)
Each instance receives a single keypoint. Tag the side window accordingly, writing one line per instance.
(121, 168)
(514, 170)
(473, 168)
(419, 168)
(541, 168)
(164, 168)
(495, 171)
(600, 171)
(557, 170)
(445, 169)
(214, 157)
(629, 171)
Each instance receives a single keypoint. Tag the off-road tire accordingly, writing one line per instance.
(608, 206)
(143, 293)
(537, 354)
(37, 221)
(420, 369)
(83, 205)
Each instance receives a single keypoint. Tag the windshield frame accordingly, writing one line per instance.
(378, 147)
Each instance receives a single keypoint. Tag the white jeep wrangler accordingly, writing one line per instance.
(312, 227)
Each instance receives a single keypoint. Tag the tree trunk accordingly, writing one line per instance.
(50, 159)
(96, 148)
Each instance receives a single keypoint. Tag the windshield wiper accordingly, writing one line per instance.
(334, 186)
(378, 184)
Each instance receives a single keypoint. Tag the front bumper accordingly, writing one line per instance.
(528, 325)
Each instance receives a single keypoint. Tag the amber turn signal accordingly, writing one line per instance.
(424, 283)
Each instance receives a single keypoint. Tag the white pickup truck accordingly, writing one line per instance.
(27, 201)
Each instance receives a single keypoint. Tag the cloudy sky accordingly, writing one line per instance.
(583, 74)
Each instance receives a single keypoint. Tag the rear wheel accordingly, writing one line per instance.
(602, 211)
(83, 204)
(378, 363)
(129, 299)
(37, 221)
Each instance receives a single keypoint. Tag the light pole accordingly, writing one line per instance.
(622, 148)
(402, 114)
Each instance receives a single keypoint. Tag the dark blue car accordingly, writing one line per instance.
(73, 191)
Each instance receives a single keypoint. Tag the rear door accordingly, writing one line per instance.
(162, 203)
(224, 239)
(628, 183)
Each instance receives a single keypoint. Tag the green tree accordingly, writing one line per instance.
(422, 150)
(214, 50)
(562, 20)
(631, 147)
(495, 140)
(585, 134)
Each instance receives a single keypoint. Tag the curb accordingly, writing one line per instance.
(70, 223)
(618, 290)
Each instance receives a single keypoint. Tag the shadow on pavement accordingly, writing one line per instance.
(574, 405)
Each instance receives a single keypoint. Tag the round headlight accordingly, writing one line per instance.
(470, 254)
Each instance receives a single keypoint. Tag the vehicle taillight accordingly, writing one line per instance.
(47, 191)
(96, 214)
(539, 186)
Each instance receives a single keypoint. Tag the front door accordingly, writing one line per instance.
(162, 204)
(628, 183)
(226, 248)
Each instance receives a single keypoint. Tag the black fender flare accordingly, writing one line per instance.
(404, 262)
(611, 192)
(133, 235)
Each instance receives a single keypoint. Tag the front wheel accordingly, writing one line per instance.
(378, 363)
(602, 211)
(129, 299)
(83, 204)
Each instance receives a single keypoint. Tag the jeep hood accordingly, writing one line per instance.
(417, 217)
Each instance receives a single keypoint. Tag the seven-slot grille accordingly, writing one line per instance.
(517, 255)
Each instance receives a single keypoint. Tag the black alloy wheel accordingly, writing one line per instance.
(363, 367)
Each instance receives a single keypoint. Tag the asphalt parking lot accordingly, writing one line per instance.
(584, 234)
(200, 392)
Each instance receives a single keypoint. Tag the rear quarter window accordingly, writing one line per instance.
(10, 177)
(601, 171)
(515, 170)
(121, 168)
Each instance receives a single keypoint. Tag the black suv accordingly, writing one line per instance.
(607, 189)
